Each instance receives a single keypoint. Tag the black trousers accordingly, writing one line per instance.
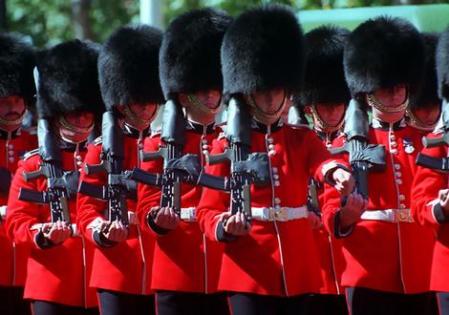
(251, 304)
(372, 302)
(185, 303)
(325, 304)
(48, 308)
(12, 302)
(118, 303)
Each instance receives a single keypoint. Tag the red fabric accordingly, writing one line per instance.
(190, 259)
(275, 258)
(331, 257)
(426, 186)
(125, 267)
(385, 256)
(13, 257)
(56, 274)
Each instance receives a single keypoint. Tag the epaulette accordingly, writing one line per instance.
(31, 153)
(98, 141)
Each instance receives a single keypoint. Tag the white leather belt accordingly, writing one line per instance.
(281, 214)
(38, 226)
(95, 224)
(388, 215)
(188, 214)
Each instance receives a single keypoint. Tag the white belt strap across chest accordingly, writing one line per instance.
(282, 214)
(389, 215)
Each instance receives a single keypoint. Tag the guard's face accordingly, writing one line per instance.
(139, 116)
(391, 103)
(428, 116)
(210, 98)
(392, 97)
(144, 111)
(330, 114)
(270, 102)
(267, 106)
(201, 106)
(12, 109)
(76, 127)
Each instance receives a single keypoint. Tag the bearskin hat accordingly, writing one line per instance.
(190, 54)
(381, 53)
(68, 79)
(262, 50)
(324, 79)
(128, 66)
(442, 65)
(17, 60)
(427, 95)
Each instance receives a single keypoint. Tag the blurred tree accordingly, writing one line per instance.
(49, 22)
(173, 8)
(3, 24)
(52, 21)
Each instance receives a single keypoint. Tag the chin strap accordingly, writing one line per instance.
(64, 124)
(194, 101)
(374, 102)
(322, 126)
(415, 122)
(134, 120)
(15, 122)
(264, 116)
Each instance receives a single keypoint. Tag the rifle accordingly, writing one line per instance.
(61, 185)
(440, 164)
(177, 167)
(5, 180)
(119, 186)
(246, 167)
(363, 157)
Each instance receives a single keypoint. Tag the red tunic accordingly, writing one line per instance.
(57, 274)
(331, 257)
(13, 257)
(387, 256)
(190, 259)
(275, 258)
(426, 186)
(126, 266)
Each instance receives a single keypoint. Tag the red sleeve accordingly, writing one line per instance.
(148, 196)
(22, 215)
(90, 208)
(213, 202)
(331, 199)
(426, 185)
(330, 207)
(320, 161)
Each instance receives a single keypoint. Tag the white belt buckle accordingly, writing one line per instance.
(281, 214)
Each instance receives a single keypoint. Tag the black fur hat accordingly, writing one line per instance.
(17, 60)
(324, 79)
(128, 66)
(190, 54)
(68, 80)
(381, 53)
(263, 49)
(427, 95)
(442, 65)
